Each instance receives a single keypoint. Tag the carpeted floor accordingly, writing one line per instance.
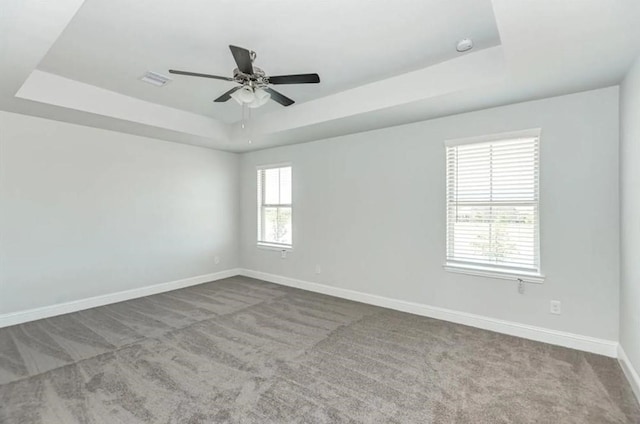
(246, 351)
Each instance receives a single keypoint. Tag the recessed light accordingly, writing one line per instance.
(156, 79)
(464, 45)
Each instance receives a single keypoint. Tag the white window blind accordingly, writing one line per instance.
(492, 205)
(274, 206)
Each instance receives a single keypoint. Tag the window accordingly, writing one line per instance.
(492, 205)
(274, 206)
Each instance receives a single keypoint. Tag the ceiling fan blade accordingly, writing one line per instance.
(243, 59)
(226, 96)
(279, 97)
(195, 74)
(295, 79)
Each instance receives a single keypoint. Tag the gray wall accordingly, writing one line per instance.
(369, 209)
(86, 212)
(630, 215)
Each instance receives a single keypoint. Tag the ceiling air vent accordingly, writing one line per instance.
(156, 79)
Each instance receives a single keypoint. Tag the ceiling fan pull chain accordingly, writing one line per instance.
(249, 129)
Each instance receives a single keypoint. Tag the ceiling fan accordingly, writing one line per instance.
(254, 90)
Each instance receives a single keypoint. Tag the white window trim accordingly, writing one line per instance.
(530, 133)
(488, 271)
(274, 246)
(274, 165)
(270, 245)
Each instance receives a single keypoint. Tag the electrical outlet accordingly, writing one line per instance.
(318, 269)
(216, 259)
(556, 307)
(283, 254)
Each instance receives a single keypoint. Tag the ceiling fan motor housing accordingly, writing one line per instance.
(257, 79)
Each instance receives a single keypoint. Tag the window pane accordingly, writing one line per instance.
(492, 204)
(277, 225)
(284, 226)
(274, 220)
(270, 224)
(285, 185)
(272, 186)
(494, 235)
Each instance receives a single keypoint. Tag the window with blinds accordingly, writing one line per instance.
(492, 205)
(274, 206)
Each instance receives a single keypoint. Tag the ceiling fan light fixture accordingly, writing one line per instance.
(244, 95)
(261, 98)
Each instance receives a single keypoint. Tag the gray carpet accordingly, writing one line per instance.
(246, 351)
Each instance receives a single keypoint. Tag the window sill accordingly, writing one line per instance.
(277, 247)
(493, 273)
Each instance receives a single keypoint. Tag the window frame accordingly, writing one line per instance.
(261, 205)
(496, 271)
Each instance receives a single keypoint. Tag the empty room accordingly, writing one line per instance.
(294, 211)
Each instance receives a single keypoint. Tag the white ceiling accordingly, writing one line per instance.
(381, 63)
(110, 44)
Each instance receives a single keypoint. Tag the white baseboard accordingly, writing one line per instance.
(629, 371)
(92, 302)
(560, 338)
